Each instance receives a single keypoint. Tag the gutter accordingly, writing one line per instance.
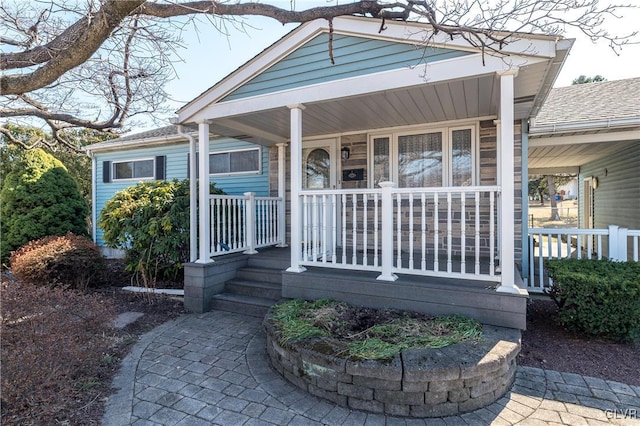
(616, 123)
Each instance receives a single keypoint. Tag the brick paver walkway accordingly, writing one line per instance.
(212, 369)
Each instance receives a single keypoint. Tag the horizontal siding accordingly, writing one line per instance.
(176, 168)
(354, 56)
(617, 199)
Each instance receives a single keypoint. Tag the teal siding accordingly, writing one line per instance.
(354, 56)
(176, 168)
(617, 198)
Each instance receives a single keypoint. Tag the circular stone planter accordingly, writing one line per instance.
(416, 383)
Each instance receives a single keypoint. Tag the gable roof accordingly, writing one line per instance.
(159, 136)
(607, 103)
(531, 51)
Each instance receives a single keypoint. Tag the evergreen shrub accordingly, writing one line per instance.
(598, 297)
(39, 198)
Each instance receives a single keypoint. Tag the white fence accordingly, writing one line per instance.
(614, 243)
(447, 232)
(243, 223)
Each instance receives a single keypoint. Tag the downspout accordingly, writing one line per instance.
(525, 201)
(94, 191)
(193, 196)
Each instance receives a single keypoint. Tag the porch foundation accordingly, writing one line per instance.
(203, 280)
(431, 295)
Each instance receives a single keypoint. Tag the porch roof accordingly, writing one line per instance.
(582, 123)
(458, 87)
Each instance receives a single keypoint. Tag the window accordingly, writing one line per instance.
(134, 169)
(427, 158)
(231, 162)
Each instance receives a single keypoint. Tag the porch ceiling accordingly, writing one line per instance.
(427, 103)
(559, 157)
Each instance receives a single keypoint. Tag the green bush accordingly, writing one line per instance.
(150, 222)
(598, 297)
(70, 260)
(39, 198)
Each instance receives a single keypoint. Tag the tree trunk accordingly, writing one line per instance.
(541, 194)
(552, 198)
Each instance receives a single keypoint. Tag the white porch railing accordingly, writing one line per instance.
(614, 243)
(243, 223)
(446, 232)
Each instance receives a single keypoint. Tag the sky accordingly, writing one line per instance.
(210, 55)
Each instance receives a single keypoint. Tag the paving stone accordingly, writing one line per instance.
(375, 420)
(336, 415)
(233, 404)
(546, 415)
(231, 418)
(253, 409)
(209, 412)
(621, 388)
(552, 405)
(150, 394)
(573, 420)
(605, 394)
(573, 379)
(355, 418)
(145, 409)
(190, 406)
(276, 416)
(167, 416)
(168, 399)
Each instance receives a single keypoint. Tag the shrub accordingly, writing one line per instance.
(50, 338)
(71, 260)
(39, 198)
(598, 297)
(150, 222)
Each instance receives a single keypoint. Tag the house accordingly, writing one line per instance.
(402, 160)
(395, 169)
(163, 154)
(592, 130)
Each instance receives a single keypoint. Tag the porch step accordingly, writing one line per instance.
(264, 275)
(255, 288)
(248, 305)
(271, 259)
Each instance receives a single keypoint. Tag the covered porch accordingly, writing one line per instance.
(449, 209)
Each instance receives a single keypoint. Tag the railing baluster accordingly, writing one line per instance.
(305, 227)
(354, 230)
(314, 227)
(635, 248)
(423, 231)
(325, 229)
(540, 261)
(532, 275)
(449, 232)
(477, 232)
(436, 226)
(334, 225)
(599, 247)
(365, 230)
(375, 229)
(492, 233)
(399, 230)
(411, 231)
(344, 228)
(225, 219)
(463, 233)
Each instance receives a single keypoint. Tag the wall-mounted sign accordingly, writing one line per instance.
(352, 174)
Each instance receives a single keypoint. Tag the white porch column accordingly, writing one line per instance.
(506, 181)
(204, 255)
(193, 201)
(296, 187)
(282, 193)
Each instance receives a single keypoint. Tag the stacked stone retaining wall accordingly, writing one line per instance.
(415, 383)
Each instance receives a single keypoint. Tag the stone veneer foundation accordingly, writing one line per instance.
(416, 383)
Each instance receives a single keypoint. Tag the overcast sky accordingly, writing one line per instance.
(210, 56)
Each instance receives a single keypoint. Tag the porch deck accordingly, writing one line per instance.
(433, 295)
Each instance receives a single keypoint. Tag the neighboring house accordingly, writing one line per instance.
(593, 130)
(235, 166)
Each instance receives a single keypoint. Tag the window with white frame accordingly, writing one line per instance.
(432, 157)
(235, 162)
(134, 169)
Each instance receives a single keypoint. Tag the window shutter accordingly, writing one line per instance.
(160, 167)
(106, 171)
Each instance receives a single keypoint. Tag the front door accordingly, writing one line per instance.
(319, 164)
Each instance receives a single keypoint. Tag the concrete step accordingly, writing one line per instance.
(265, 290)
(268, 275)
(248, 305)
